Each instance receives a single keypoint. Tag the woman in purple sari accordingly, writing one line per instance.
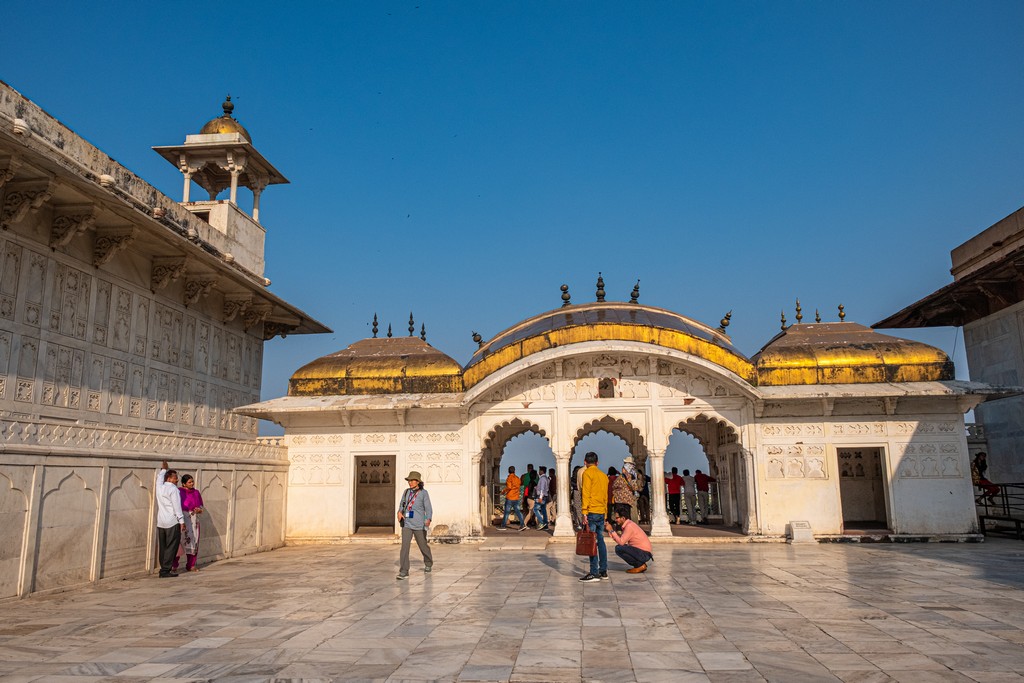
(192, 506)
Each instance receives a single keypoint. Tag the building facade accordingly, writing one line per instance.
(131, 326)
(986, 299)
(830, 424)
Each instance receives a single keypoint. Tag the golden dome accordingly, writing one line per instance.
(225, 123)
(606, 321)
(846, 353)
(396, 365)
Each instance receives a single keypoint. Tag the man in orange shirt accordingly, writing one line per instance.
(512, 484)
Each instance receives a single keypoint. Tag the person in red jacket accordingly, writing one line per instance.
(674, 485)
(703, 482)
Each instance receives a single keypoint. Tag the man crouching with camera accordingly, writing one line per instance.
(631, 543)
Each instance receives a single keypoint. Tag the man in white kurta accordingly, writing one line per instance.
(170, 522)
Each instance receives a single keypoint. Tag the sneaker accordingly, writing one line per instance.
(522, 528)
(542, 527)
(603, 576)
(501, 528)
(637, 570)
(402, 577)
(589, 578)
(428, 569)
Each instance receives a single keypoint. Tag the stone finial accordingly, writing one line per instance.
(635, 296)
(724, 322)
(228, 106)
(600, 287)
(412, 325)
(374, 325)
(783, 321)
(389, 331)
(817, 316)
(799, 312)
(842, 313)
(565, 295)
(478, 339)
(423, 332)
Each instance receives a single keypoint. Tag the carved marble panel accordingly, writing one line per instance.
(10, 278)
(124, 548)
(936, 460)
(858, 428)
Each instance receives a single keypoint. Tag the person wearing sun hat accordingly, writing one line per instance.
(414, 516)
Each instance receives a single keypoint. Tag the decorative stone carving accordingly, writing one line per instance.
(235, 304)
(273, 329)
(9, 166)
(165, 270)
(108, 242)
(256, 313)
(69, 222)
(22, 197)
(198, 286)
(858, 429)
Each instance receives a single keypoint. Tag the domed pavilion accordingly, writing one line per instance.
(829, 427)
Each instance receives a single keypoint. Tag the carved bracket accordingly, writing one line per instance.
(108, 242)
(70, 221)
(256, 313)
(197, 286)
(272, 329)
(166, 269)
(8, 167)
(21, 198)
(235, 304)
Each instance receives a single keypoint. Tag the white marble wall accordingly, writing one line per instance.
(74, 509)
(95, 346)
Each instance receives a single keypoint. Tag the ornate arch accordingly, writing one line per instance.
(504, 432)
(620, 428)
(693, 426)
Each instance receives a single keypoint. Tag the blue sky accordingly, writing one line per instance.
(462, 160)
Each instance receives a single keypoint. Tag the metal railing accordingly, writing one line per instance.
(1006, 506)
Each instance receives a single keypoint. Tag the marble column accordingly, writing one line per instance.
(474, 505)
(659, 513)
(235, 172)
(563, 519)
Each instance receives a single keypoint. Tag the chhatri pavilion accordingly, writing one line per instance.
(829, 427)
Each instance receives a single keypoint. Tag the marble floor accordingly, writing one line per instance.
(705, 612)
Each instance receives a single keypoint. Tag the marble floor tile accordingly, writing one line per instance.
(859, 614)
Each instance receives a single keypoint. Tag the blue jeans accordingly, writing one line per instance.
(512, 506)
(540, 510)
(599, 562)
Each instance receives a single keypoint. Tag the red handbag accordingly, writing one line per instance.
(586, 543)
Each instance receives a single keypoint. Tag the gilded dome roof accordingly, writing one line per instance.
(846, 353)
(605, 321)
(396, 365)
(225, 123)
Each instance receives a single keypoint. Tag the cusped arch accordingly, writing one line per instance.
(692, 426)
(505, 431)
(633, 437)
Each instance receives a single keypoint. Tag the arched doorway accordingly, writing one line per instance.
(524, 441)
(723, 459)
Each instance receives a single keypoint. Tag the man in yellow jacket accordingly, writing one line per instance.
(594, 491)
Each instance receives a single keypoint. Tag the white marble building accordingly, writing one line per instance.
(130, 327)
(831, 424)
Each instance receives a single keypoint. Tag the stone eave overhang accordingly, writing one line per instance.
(976, 295)
(293, 405)
(61, 155)
(951, 388)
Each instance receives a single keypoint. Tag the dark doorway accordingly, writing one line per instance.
(375, 494)
(861, 488)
